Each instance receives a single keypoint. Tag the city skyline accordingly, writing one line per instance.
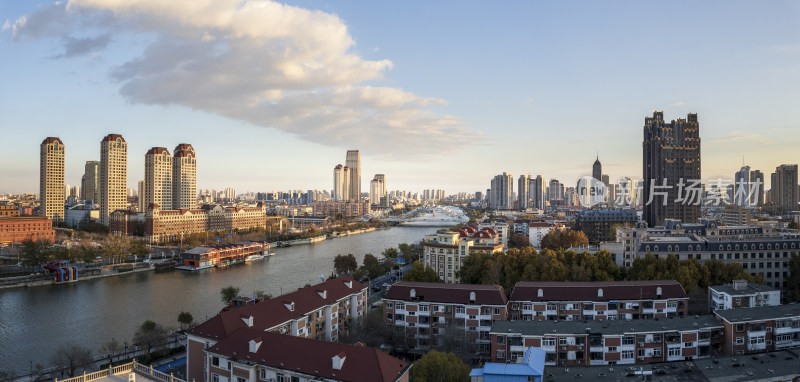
(91, 80)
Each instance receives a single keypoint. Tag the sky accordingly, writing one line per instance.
(434, 94)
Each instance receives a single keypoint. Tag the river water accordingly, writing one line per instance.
(35, 321)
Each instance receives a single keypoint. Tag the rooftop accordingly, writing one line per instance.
(607, 327)
(273, 312)
(447, 293)
(759, 313)
(597, 291)
(752, 288)
(311, 357)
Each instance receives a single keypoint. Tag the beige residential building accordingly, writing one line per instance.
(51, 179)
(113, 176)
(184, 177)
(157, 179)
(446, 252)
(162, 225)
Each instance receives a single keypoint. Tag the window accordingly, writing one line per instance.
(460, 310)
(612, 348)
(496, 311)
(656, 352)
(673, 352)
(740, 328)
(240, 379)
(629, 340)
(501, 339)
(214, 378)
(263, 373)
(627, 354)
(688, 344)
(740, 340)
(215, 361)
(549, 342)
(501, 354)
(562, 341)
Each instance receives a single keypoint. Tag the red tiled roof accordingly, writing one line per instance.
(273, 312)
(447, 293)
(112, 137)
(312, 357)
(50, 140)
(157, 151)
(588, 291)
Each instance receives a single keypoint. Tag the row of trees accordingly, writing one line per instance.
(527, 264)
(112, 249)
(372, 267)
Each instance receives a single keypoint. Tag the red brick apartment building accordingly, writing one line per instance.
(609, 342)
(419, 313)
(321, 311)
(20, 228)
(605, 300)
(8, 210)
(756, 330)
(250, 355)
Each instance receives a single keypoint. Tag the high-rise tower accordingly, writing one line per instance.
(90, 183)
(757, 198)
(784, 187)
(51, 179)
(523, 191)
(501, 191)
(597, 169)
(158, 179)
(670, 155)
(184, 177)
(353, 163)
(113, 176)
(338, 183)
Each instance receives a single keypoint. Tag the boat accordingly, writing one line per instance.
(254, 257)
(193, 268)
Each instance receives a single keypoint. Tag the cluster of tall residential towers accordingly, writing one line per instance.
(170, 181)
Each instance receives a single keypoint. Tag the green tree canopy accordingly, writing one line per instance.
(229, 293)
(35, 253)
(422, 272)
(185, 319)
(564, 239)
(345, 264)
(518, 240)
(436, 366)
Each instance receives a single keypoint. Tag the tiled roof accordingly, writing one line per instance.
(760, 313)
(312, 357)
(273, 312)
(447, 293)
(50, 140)
(589, 291)
(157, 151)
(113, 137)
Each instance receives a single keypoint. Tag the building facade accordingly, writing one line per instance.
(538, 191)
(346, 208)
(784, 188)
(603, 300)
(184, 177)
(502, 189)
(113, 176)
(761, 329)
(523, 191)
(157, 179)
(51, 179)
(21, 228)
(741, 294)
(171, 225)
(90, 182)
(423, 316)
(599, 225)
(353, 162)
(321, 311)
(445, 252)
(671, 156)
(619, 342)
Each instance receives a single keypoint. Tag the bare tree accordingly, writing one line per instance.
(73, 357)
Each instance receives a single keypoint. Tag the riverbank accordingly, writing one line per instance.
(46, 279)
(317, 239)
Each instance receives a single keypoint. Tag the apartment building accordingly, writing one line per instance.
(602, 300)
(741, 294)
(345, 208)
(320, 312)
(501, 227)
(51, 179)
(422, 315)
(113, 176)
(761, 329)
(570, 343)
(21, 228)
(446, 251)
(250, 355)
(759, 251)
(163, 225)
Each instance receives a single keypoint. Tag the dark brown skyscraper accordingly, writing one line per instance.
(671, 153)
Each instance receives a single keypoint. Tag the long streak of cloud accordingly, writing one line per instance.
(270, 64)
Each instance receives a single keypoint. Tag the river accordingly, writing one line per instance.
(35, 321)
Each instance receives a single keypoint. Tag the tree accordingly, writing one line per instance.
(73, 357)
(345, 264)
(35, 253)
(793, 283)
(113, 248)
(390, 253)
(137, 247)
(110, 348)
(372, 266)
(185, 319)
(411, 252)
(149, 335)
(437, 366)
(422, 272)
(517, 240)
(229, 293)
(261, 295)
(560, 240)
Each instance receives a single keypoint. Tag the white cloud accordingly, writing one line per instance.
(6, 25)
(679, 103)
(267, 63)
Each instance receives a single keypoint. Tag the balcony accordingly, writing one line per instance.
(757, 347)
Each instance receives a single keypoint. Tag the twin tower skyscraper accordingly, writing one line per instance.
(347, 178)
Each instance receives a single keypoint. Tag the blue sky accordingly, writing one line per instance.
(434, 94)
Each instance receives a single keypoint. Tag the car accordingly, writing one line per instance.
(385, 285)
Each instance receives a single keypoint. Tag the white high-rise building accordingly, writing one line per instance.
(353, 162)
(340, 183)
(158, 179)
(113, 176)
(51, 179)
(184, 177)
(377, 189)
